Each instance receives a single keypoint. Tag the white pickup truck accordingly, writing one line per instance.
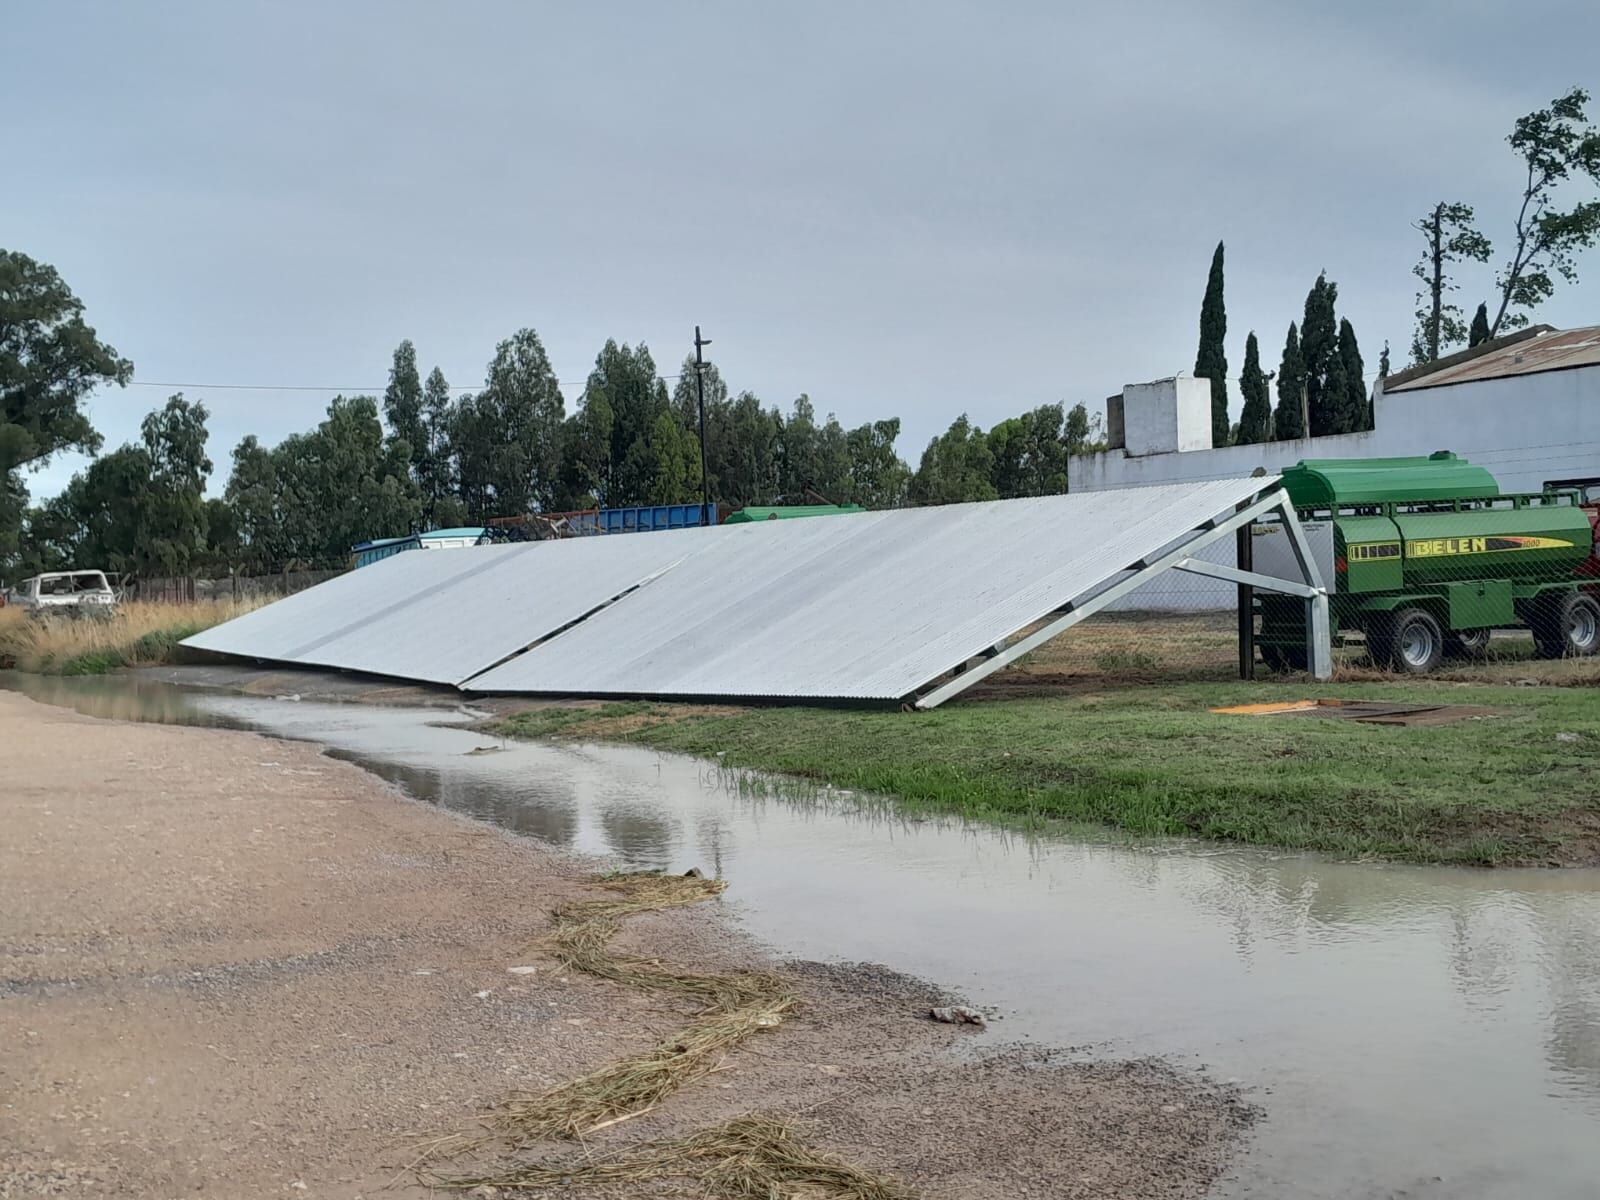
(67, 593)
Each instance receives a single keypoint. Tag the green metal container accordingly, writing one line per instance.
(789, 512)
(1433, 540)
(1315, 483)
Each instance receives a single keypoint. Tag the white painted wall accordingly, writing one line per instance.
(1524, 430)
(1167, 415)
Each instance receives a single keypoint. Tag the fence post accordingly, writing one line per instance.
(1244, 553)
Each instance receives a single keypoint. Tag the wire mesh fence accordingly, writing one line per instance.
(231, 588)
(1501, 592)
(1504, 590)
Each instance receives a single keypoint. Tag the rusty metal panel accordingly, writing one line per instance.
(1556, 350)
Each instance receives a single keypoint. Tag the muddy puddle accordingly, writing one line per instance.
(1409, 1032)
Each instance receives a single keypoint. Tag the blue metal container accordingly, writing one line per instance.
(651, 517)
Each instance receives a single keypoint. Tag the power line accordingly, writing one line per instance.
(354, 391)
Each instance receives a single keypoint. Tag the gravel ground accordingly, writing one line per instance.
(232, 967)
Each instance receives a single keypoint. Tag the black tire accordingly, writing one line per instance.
(1468, 643)
(1283, 659)
(1566, 626)
(1409, 641)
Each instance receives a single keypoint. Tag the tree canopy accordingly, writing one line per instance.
(1451, 238)
(1255, 420)
(1211, 361)
(1556, 144)
(1288, 419)
(50, 360)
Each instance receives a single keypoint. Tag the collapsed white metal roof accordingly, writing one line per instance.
(879, 606)
(441, 616)
(871, 606)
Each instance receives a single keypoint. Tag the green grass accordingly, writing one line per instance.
(1153, 761)
(554, 721)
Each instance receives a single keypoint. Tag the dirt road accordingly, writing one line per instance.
(233, 967)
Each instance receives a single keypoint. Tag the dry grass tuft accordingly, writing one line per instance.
(633, 1085)
(748, 1158)
(735, 1006)
(136, 634)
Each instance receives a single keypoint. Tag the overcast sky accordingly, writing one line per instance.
(900, 209)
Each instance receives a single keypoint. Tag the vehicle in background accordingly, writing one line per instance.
(65, 593)
(1426, 557)
(1588, 489)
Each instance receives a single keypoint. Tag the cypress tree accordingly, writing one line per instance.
(1211, 362)
(1256, 420)
(1353, 414)
(1480, 327)
(1288, 421)
(1319, 347)
(1336, 394)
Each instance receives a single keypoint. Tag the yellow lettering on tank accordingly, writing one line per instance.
(1489, 544)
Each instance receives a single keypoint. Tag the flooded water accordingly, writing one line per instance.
(1415, 1032)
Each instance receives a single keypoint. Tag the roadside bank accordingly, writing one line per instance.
(233, 966)
(136, 634)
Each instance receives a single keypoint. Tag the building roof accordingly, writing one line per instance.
(1527, 352)
(461, 531)
(377, 543)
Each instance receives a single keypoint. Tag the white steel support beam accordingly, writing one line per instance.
(1319, 636)
(1319, 622)
(1302, 548)
(1267, 583)
(1142, 572)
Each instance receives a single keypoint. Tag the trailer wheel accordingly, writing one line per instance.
(1283, 658)
(1567, 626)
(1467, 643)
(1409, 641)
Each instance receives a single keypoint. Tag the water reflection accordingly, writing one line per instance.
(115, 698)
(1573, 1044)
(643, 839)
(1409, 1022)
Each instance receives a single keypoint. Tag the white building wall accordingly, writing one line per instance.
(1524, 429)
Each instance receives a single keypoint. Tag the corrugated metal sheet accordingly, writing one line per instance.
(281, 630)
(870, 606)
(1555, 351)
(441, 616)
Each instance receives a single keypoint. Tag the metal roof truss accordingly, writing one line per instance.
(1310, 588)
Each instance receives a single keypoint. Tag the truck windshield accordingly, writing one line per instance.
(67, 585)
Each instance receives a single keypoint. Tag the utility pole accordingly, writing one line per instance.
(700, 391)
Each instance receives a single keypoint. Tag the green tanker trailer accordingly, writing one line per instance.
(1426, 557)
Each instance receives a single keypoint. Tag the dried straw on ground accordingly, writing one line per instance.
(747, 1158)
(735, 1006)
